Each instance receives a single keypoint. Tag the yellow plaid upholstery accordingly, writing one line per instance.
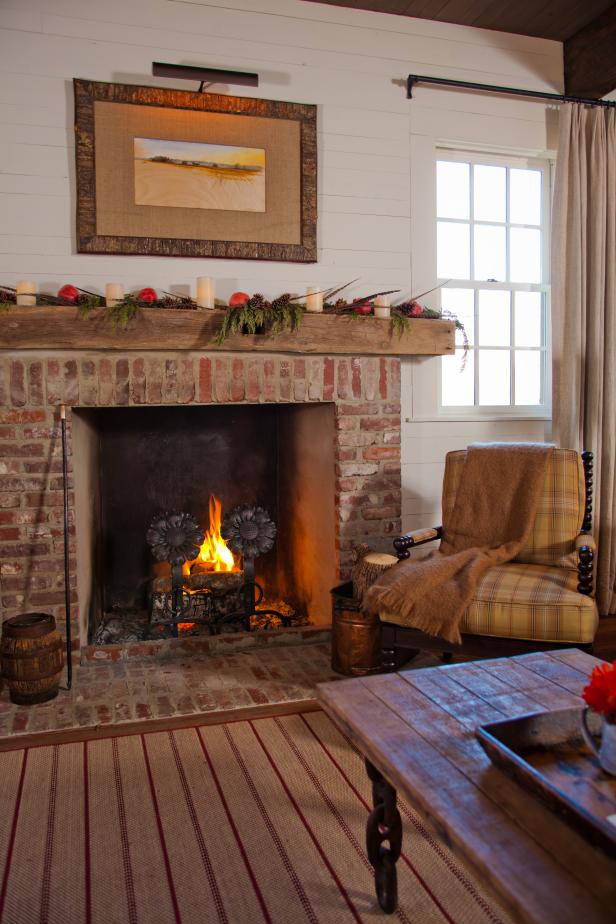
(531, 602)
(559, 515)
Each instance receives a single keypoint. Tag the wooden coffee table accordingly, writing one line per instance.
(416, 731)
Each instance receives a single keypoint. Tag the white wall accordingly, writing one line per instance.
(376, 148)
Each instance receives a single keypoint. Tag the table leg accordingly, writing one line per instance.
(384, 824)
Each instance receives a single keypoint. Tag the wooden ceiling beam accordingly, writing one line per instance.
(590, 58)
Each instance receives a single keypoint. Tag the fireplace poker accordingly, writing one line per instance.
(67, 586)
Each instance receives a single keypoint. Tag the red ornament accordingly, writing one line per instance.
(362, 308)
(68, 294)
(238, 299)
(147, 295)
(416, 310)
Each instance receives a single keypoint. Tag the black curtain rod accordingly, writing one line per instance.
(414, 79)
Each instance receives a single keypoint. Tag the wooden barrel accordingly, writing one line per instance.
(32, 657)
(356, 638)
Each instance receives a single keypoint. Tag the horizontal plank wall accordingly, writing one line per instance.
(375, 147)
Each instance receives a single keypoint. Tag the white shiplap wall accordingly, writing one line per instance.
(376, 149)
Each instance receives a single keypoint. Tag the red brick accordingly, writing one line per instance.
(170, 381)
(380, 513)
(381, 452)
(24, 550)
(45, 467)
(105, 381)
(347, 423)
(205, 380)
(71, 382)
(35, 383)
(18, 384)
(316, 385)
(253, 384)
(351, 409)
(344, 389)
(379, 423)
(9, 417)
(269, 380)
(370, 376)
(238, 390)
(328, 379)
(356, 438)
(186, 381)
(137, 381)
(284, 368)
(9, 500)
(391, 468)
(221, 378)
(391, 437)
(27, 450)
(9, 532)
(391, 408)
(346, 455)
(122, 382)
(154, 381)
(356, 376)
(383, 378)
(10, 466)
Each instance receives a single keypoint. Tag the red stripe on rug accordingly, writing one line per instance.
(333, 808)
(419, 826)
(9, 856)
(311, 833)
(126, 860)
(194, 818)
(282, 853)
(86, 836)
(161, 834)
(49, 837)
(236, 833)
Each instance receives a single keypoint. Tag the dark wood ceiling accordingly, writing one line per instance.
(550, 19)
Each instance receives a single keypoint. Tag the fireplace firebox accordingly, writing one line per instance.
(138, 463)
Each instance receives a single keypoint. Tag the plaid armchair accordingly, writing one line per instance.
(543, 597)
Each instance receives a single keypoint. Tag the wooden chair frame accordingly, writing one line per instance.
(394, 637)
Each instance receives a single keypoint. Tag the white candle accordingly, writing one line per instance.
(26, 293)
(114, 294)
(314, 299)
(381, 307)
(205, 292)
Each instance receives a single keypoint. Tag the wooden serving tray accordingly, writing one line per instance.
(545, 753)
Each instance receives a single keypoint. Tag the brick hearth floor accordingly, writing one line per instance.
(126, 691)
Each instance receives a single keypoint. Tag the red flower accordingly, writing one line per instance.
(600, 694)
(416, 310)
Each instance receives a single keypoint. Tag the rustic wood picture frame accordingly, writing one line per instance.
(87, 93)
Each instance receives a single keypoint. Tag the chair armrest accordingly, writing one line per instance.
(412, 540)
(586, 547)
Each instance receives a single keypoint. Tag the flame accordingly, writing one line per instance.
(214, 550)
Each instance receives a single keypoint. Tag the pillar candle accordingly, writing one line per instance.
(205, 292)
(314, 299)
(114, 294)
(381, 307)
(26, 293)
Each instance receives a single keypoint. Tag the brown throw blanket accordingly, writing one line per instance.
(493, 513)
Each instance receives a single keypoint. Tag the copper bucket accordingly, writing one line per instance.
(356, 638)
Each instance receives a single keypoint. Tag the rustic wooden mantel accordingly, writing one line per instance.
(52, 328)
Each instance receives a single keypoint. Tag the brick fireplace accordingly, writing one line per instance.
(364, 393)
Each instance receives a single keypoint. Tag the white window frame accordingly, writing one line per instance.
(426, 374)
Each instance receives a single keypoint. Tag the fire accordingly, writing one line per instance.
(214, 551)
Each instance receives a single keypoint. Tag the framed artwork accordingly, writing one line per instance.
(177, 173)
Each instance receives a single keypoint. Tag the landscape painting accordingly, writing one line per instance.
(186, 174)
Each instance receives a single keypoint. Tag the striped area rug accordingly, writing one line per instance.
(239, 823)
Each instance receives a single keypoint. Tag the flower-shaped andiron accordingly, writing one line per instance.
(248, 530)
(174, 537)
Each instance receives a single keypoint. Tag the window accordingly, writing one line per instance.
(492, 253)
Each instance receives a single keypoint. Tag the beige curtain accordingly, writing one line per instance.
(584, 312)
